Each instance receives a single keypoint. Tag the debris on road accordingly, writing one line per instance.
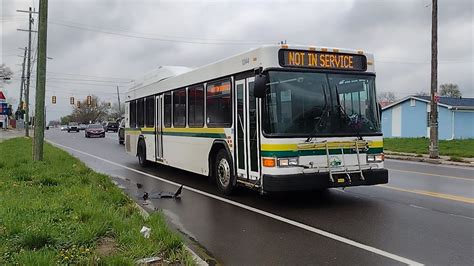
(145, 231)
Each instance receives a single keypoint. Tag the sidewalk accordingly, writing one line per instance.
(425, 158)
(10, 133)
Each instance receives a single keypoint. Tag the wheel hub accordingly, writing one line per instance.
(223, 172)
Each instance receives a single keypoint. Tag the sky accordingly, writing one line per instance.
(98, 45)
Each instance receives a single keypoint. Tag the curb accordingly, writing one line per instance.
(199, 261)
(426, 160)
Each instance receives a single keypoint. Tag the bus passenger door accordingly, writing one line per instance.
(252, 133)
(240, 130)
(159, 127)
(247, 156)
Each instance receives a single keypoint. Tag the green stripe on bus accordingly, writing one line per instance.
(313, 152)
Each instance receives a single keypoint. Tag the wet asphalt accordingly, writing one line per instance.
(424, 215)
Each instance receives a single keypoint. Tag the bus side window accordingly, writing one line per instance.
(167, 107)
(179, 108)
(218, 104)
(133, 114)
(141, 112)
(196, 107)
(150, 111)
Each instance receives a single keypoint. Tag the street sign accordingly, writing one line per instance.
(436, 98)
(4, 110)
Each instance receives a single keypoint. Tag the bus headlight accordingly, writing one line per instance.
(286, 162)
(375, 158)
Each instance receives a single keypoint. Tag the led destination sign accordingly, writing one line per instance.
(314, 59)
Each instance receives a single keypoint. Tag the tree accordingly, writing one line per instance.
(53, 123)
(115, 113)
(386, 97)
(450, 90)
(96, 112)
(421, 93)
(5, 74)
(65, 119)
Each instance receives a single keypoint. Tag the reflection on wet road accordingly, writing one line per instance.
(424, 215)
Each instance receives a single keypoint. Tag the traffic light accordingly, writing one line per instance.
(78, 104)
(71, 100)
(89, 100)
(53, 99)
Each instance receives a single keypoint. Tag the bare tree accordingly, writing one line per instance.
(95, 112)
(387, 97)
(5, 74)
(422, 93)
(450, 90)
(115, 113)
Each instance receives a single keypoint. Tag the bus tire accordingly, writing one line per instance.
(224, 173)
(141, 154)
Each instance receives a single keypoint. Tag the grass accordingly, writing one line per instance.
(58, 211)
(454, 148)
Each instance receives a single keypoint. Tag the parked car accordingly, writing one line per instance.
(82, 126)
(73, 126)
(94, 130)
(64, 128)
(111, 126)
(121, 131)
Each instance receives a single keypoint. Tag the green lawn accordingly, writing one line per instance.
(459, 148)
(60, 212)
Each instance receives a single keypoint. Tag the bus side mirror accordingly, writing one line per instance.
(260, 86)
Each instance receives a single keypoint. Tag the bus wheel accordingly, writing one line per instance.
(224, 174)
(141, 153)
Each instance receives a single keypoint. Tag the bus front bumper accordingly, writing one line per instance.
(315, 181)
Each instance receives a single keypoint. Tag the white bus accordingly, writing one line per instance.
(276, 118)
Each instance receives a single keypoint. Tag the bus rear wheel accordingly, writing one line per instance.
(141, 154)
(224, 173)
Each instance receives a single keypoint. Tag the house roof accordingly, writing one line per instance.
(448, 102)
(453, 101)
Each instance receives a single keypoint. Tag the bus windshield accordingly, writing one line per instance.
(311, 104)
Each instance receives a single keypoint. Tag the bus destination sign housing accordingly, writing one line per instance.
(322, 60)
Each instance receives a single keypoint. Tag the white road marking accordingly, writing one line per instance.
(262, 212)
(461, 216)
(418, 207)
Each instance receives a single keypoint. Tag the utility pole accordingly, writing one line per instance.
(118, 97)
(41, 81)
(20, 105)
(434, 152)
(28, 71)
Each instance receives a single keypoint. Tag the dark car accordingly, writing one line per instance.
(111, 126)
(121, 132)
(94, 130)
(73, 126)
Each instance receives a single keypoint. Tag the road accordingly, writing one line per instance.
(425, 215)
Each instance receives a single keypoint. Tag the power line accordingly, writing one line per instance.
(90, 76)
(136, 36)
(155, 35)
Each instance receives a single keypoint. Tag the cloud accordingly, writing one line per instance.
(175, 33)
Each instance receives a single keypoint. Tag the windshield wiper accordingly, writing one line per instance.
(343, 111)
(325, 114)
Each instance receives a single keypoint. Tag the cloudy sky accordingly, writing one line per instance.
(97, 45)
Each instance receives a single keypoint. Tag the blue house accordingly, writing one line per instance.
(409, 118)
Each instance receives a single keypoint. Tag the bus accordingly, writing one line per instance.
(275, 118)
